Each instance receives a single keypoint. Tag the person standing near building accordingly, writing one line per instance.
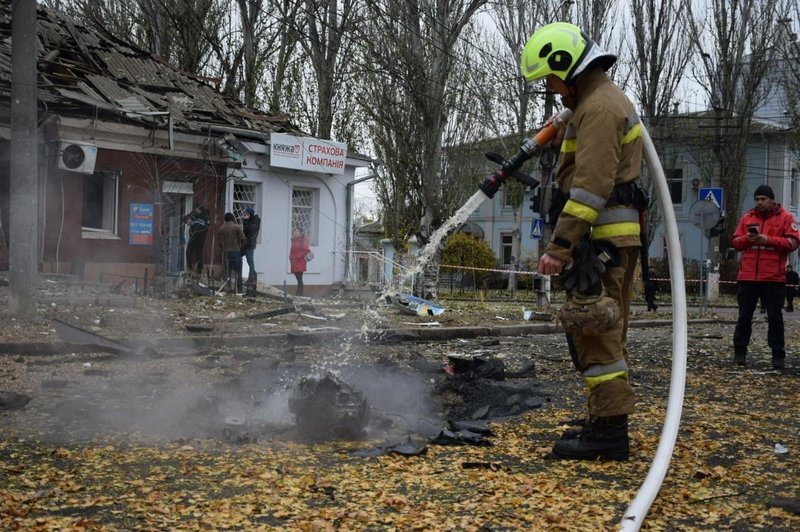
(601, 156)
(299, 255)
(792, 280)
(198, 223)
(766, 235)
(251, 227)
(231, 239)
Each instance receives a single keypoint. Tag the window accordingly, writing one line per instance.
(507, 198)
(675, 183)
(304, 209)
(100, 192)
(506, 247)
(244, 195)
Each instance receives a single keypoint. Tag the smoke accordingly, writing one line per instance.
(220, 396)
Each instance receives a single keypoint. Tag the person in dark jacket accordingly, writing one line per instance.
(766, 235)
(251, 226)
(792, 280)
(231, 239)
(198, 223)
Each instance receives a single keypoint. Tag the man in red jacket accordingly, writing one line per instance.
(766, 235)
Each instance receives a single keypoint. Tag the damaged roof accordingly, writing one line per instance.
(83, 72)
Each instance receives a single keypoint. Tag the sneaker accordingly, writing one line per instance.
(739, 359)
(606, 438)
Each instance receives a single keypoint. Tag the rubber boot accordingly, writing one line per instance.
(580, 424)
(605, 438)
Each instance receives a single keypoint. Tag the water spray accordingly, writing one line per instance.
(530, 148)
(508, 168)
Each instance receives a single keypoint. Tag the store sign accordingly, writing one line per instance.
(140, 232)
(307, 153)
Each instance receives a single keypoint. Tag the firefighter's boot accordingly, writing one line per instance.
(604, 438)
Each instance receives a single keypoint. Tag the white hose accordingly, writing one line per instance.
(637, 510)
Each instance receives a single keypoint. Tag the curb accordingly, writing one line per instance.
(381, 336)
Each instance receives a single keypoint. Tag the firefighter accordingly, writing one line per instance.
(597, 232)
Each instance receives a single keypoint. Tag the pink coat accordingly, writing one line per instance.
(297, 255)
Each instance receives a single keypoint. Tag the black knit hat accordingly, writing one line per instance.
(764, 190)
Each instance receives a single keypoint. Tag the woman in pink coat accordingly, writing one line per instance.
(299, 255)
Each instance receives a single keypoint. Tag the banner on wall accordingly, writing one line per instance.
(140, 232)
(307, 153)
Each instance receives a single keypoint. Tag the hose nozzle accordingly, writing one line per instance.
(530, 148)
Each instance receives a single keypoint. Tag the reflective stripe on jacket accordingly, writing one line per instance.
(766, 262)
(602, 147)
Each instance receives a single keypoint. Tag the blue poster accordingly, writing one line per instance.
(141, 225)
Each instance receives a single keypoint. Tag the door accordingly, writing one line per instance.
(177, 204)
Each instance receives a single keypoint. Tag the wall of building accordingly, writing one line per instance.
(69, 249)
(328, 240)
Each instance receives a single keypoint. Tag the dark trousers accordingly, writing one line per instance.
(194, 253)
(299, 277)
(233, 267)
(748, 295)
(791, 292)
(251, 264)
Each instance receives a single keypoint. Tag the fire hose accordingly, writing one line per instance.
(639, 506)
(637, 509)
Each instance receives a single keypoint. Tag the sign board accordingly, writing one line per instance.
(140, 232)
(307, 153)
(712, 194)
(537, 228)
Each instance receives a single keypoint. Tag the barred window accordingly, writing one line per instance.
(244, 195)
(304, 212)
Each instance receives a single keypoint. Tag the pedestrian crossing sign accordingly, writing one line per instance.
(537, 228)
(712, 194)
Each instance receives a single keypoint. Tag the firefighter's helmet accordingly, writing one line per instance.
(563, 50)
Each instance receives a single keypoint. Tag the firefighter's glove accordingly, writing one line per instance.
(589, 262)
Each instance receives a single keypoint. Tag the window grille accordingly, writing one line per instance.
(303, 210)
(244, 195)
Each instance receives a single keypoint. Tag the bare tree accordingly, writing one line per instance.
(661, 53)
(735, 42)
(516, 21)
(787, 77)
(408, 98)
(328, 43)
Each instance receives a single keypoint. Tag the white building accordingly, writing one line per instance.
(286, 197)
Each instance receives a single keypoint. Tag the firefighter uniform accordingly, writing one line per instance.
(601, 155)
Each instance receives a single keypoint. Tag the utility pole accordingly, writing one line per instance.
(548, 159)
(24, 202)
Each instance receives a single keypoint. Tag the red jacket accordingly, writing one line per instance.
(298, 252)
(766, 262)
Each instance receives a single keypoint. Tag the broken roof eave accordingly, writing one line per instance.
(139, 138)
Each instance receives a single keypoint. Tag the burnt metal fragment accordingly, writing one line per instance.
(327, 408)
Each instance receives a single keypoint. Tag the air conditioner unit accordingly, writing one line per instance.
(77, 157)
